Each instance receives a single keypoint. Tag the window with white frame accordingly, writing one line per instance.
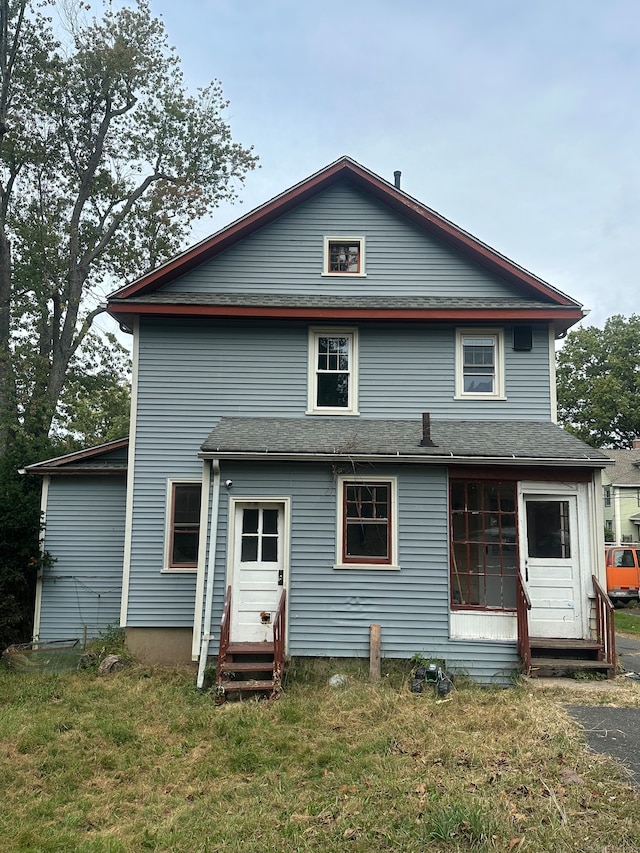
(182, 535)
(333, 371)
(367, 523)
(480, 363)
(343, 256)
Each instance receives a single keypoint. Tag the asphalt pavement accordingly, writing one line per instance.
(616, 731)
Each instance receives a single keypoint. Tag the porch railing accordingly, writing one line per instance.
(224, 635)
(605, 627)
(523, 606)
(279, 624)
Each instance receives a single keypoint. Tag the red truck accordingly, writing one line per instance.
(623, 573)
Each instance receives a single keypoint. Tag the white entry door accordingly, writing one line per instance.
(551, 551)
(258, 570)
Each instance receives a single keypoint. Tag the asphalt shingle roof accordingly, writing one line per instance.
(626, 471)
(298, 300)
(350, 437)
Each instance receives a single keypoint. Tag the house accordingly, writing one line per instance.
(621, 484)
(343, 415)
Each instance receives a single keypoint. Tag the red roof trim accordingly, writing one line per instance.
(124, 310)
(396, 199)
(58, 462)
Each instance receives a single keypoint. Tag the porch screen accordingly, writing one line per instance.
(484, 544)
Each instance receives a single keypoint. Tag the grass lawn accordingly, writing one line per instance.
(627, 623)
(141, 761)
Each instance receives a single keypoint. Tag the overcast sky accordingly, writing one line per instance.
(519, 121)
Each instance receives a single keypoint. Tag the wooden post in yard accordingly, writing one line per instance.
(374, 653)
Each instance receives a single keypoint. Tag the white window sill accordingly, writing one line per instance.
(497, 397)
(343, 275)
(376, 567)
(331, 412)
(175, 570)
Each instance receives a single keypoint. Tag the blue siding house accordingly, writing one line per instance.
(343, 415)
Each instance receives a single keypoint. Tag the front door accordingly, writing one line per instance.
(258, 570)
(551, 550)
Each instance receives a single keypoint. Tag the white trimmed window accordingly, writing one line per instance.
(367, 523)
(343, 256)
(480, 364)
(182, 534)
(333, 373)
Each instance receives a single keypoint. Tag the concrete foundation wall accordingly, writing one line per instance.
(160, 646)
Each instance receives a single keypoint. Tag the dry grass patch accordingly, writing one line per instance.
(141, 761)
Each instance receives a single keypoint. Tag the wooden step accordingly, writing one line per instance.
(250, 649)
(247, 666)
(252, 684)
(562, 644)
(562, 666)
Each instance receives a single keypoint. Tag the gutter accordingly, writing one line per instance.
(211, 563)
(420, 459)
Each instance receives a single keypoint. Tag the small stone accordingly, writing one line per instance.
(338, 681)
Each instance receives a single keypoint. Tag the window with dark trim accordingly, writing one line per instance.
(484, 544)
(184, 534)
(343, 256)
(367, 523)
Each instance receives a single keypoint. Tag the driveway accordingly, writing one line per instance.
(612, 731)
(615, 731)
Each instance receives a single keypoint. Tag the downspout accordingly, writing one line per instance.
(211, 564)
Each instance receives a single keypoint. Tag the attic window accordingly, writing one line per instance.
(343, 256)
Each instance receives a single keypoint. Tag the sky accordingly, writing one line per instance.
(518, 121)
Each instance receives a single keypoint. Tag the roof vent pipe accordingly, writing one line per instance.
(426, 431)
(396, 179)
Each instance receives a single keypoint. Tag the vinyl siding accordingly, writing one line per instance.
(286, 256)
(330, 611)
(84, 533)
(192, 373)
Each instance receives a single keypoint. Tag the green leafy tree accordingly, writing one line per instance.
(95, 401)
(105, 161)
(598, 376)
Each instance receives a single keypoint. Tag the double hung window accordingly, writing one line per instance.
(479, 363)
(183, 525)
(367, 529)
(333, 371)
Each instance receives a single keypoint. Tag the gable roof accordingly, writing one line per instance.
(142, 296)
(454, 441)
(626, 471)
(101, 459)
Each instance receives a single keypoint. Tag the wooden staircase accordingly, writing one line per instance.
(544, 657)
(559, 657)
(250, 669)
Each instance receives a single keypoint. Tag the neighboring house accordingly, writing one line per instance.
(345, 396)
(621, 485)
